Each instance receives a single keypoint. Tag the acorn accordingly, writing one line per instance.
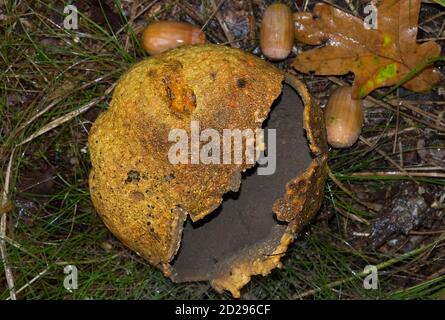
(164, 35)
(343, 118)
(277, 32)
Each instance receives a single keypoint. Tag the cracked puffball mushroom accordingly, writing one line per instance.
(164, 35)
(198, 221)
(343, 118)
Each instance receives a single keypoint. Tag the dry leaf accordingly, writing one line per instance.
(378, 58)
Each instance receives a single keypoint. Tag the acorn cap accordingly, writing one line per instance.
(146, 201)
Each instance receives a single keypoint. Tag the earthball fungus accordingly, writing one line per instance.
(199, 214)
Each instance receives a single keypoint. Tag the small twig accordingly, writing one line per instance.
(222, 23)
(423, 168)
(426, 102)
(215, 11)
(436, 274)
(398, 174)
(50, 178)
(214, 36)
(380, 266)
(437, 15)
(391, 106)
(390, 134)
(401, 155)
(426, 232)
(63, 96)
(396, 136)
(55, 123)
(412, 107)
(18, 246)
(41, 273)
(89, 261)
(351, 216)
(234, 41)
(8, 272)
(383, 154)
(360, 234)
(431, 39)
(133, 12)
(351, 7)
(350, 193)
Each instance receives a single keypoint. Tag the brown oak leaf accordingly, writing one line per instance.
(377, 57)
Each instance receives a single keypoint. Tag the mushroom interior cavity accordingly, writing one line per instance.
(245, 221)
